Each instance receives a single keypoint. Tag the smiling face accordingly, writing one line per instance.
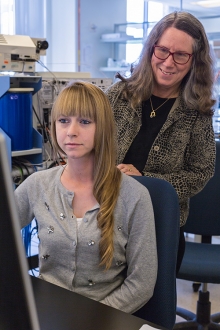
(75, 136)
(167, 74)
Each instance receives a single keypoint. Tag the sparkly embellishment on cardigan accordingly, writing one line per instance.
(45, 257)
(120, 228)
(62, 216)
(91, 242)
(47, 206)
(91, 282)
(50, 229)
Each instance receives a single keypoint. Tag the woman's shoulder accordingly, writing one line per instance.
(131, 188)
(180, 108)
(44, 176)
(49, 171)
(116, 87)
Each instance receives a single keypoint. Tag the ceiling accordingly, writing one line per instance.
(197, 10)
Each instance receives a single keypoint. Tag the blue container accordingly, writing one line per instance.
(16, 117)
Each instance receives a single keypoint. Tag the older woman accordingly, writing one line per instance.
(163, 111)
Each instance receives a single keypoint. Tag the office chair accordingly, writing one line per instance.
(201, 261)
(161, 308)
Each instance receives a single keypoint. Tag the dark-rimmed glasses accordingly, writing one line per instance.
(162, 53)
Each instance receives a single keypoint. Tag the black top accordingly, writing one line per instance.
(138, 152)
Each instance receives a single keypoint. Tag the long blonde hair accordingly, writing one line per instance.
(87, 100)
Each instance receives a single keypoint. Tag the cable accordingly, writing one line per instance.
(19, 178)
(37, 117)
(26, 168)
(33, 231)
(45, 67)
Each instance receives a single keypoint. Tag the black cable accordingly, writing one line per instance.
(43, 127)
(21, 177)
(26, 168)
(23, 161)
(37, 117)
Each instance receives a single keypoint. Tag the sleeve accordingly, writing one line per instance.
(199, 161)
(23, 201)
(141, 256)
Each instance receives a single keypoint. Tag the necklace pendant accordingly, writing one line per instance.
(152, 114)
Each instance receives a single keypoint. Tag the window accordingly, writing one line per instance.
(155, 11)
(7, 21)
(141, 11)
(135, 13)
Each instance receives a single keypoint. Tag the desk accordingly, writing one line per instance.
(61, 309)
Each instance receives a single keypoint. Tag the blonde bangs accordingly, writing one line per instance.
(75, 102)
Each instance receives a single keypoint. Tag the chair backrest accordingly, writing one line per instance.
(161, 308)
(204, 210)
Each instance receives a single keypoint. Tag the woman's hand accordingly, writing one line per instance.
(128, 169)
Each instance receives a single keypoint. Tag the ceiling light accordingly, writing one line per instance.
(207, 3)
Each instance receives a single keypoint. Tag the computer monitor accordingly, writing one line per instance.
(17, 307)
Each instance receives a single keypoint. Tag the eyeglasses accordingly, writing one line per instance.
(163, 53)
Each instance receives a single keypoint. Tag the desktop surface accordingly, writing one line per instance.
(61, 309)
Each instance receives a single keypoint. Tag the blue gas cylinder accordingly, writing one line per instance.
(16, 117)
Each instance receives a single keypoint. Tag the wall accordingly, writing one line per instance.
(211, 24)
(98, 17)
(56, 21)
(29, 18)
(212, 27)
(61, 27)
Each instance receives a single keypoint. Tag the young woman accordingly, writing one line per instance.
(96, 225)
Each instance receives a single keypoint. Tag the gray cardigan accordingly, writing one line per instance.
(183, 152)
(69, 254)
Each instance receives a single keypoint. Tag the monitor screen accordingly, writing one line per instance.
(17, 307)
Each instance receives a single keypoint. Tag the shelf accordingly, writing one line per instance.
(131, 34)
(115, 69)
(26, 152)
(124, 40)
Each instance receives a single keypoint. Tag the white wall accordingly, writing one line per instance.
(211, 24)
(54, 20)
(61, 27)
(29, 18)
(98, 17)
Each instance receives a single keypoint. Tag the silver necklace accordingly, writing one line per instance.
(153, 112)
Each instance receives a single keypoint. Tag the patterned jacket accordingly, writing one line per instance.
(183, 153)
